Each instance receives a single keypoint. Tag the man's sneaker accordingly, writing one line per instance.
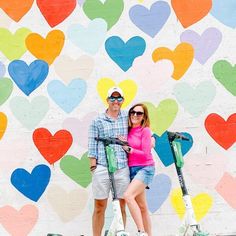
(141, 234)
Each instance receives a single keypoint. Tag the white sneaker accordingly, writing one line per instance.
(141, 234)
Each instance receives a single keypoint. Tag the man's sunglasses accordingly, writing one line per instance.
(118, 99)
(138, 113)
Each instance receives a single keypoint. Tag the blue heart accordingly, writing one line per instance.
(31, 185)
(150, 21)
(28, 78)
(224, 11)
(158, 192)
(67, 97)
(123, 54)
(163, 150)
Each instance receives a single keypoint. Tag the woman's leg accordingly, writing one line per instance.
(141, 201)
(135, 188)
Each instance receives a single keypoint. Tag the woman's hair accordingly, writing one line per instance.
(146, 121)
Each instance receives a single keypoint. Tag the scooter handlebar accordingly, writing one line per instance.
(176, 135)
(108, 141)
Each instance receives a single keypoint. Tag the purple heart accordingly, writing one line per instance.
(150, 21)
(79, 128)
(204, 45)
(158, 192)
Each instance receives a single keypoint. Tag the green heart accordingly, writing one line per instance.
(6, 87)
(226, 75)
(77, 169)
(110, 11)
(29, 114)
(13, 45)
(161, 117)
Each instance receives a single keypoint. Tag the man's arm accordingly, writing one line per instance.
(93, 146)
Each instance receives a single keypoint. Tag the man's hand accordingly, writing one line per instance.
(93, 163)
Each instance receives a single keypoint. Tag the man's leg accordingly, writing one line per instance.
(98, 216)
(123, 212)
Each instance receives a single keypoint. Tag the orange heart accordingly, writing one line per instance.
(3, 124)
(181, 58)
(16, 9)
(46, 49)
(190, 12)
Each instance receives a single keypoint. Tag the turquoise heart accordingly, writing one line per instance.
(195, 100)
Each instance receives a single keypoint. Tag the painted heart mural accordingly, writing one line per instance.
(163, 115)
(32, 185)
(77, 169)
(150, 21)
(28, 78)
(163, 149)
(52, 10)
(19, 222)
(221, 130)
(52, 147)
(123, 54)
(110, 10)
(67, 97)
(190, 12)
(13, 45)
(181, 58)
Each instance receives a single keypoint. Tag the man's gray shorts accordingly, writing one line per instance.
(101, 184)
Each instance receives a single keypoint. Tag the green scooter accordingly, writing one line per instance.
(189, 226)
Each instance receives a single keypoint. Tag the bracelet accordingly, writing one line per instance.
(93, 168)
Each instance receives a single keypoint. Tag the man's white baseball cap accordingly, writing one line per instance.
(113, 90)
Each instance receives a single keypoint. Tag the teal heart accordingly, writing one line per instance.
(226, 75)
(84, 37)
(29, 114)
(195, 100)
(6, 87)
(162, 116)
(77, 169)
(110, 10)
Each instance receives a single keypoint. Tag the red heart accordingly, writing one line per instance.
(52, 147)
(223, 132)
(16, 9)
(189, 12)
(56, 11)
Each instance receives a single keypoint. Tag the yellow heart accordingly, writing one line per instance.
(46, 49)
(201, 204)
(3, 124)
(181, 58)
(128, 86)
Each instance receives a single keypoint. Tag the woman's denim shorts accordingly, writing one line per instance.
(142, 173)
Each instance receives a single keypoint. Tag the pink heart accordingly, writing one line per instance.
(206, 169)
(227, 189)
(18, 223)
(79, 128)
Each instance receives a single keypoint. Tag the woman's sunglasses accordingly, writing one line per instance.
(138, 113)
(118, 99)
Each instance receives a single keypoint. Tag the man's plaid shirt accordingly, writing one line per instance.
(106, 127)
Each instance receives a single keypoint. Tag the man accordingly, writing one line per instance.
(112, 123)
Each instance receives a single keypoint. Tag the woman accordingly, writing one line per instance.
(141, 166)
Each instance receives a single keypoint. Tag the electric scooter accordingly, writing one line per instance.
(189, 226)
(117, 226)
